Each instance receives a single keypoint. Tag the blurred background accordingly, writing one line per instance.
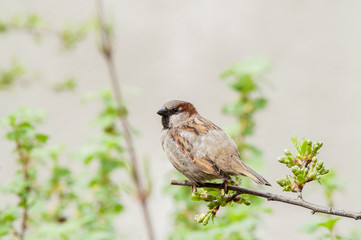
(177, 49)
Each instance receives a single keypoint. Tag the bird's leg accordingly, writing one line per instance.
(225, 186)
(194, 187)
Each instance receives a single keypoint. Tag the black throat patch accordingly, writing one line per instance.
(165, 122)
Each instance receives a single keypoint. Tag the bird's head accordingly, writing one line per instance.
(175, 113)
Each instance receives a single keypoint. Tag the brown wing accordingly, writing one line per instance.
(212, 150)
(192, 140)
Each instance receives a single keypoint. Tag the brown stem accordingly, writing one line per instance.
(107, 51)
(25, 161)
(279, 198)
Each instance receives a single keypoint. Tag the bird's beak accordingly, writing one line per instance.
(163, 112)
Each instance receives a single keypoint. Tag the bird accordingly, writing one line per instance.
(198, 148)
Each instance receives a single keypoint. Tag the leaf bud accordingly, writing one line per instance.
(300, 178)
(324, 171)
(295, 170)
(195, 197)
(287, 188)
(316, 147)
(319, 165)
(281, 182)
(206, 219)
(282, 159)
(312, 175)
(211, 205)
(200, 217)
(210, 197)
(203, 195)
(287, 152)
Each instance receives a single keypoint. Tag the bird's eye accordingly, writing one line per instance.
(176, 110)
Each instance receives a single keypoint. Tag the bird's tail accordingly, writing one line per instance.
(249, 172)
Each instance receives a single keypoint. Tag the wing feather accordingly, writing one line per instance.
(195, 139)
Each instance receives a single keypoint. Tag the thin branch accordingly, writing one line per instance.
(107, 51)
(25, 161)
(278, 198)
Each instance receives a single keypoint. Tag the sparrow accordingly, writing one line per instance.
(198, 148)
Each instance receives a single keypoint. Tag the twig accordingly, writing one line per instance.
(25, 161)
(279, 198)
(107, 51)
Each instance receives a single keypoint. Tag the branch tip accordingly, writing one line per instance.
(279, 198)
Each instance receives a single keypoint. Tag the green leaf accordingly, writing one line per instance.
(118, 208)
(255, 150)
(303, 149)
(332, 183)
(3, 27)
(244, 83)
(329, 224)
(309, 227)
(260, 103)
(41, 137)
(234, 108)
(196, 198)
(252, 66)
(227, 73)
(296, 144)
(88, 159)
(5, 230)
(72, 35)
(9, 214)
(214, 192)
(233, 129)
(12, 136)
(69, 84)
(9, 76)
(33, 21)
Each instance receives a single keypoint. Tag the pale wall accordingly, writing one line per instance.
(176, 49)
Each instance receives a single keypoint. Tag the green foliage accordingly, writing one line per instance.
(8, 77)
(69, 84)
(72, 34)
(70, 37)
(185, 210)
(305, 165)
(111, 112)
(216, 199)
(246, 79)
(329, 224)
(64, 204)
(3, 27)
(305, 168)
(331, 184)
(107, 151)
(30, 22)
(7, 218)
(325, 230)
(21, 130)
